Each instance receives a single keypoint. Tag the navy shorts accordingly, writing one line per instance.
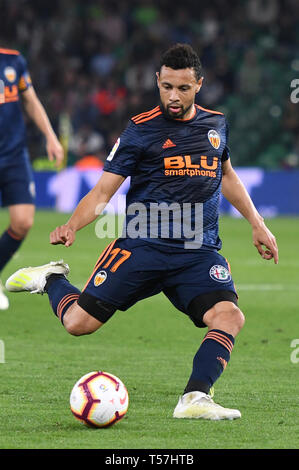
(130, 270)
(17, 182)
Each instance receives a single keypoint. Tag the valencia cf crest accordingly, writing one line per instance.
(10, 74)
(100, 277)
(214, 138)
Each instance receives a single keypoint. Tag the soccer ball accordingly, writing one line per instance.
(99, 399)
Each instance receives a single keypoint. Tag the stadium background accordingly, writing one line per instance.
(93, 65)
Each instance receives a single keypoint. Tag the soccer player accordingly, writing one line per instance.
(16, 179)
(178, 159)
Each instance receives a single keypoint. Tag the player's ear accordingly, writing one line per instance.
(199, 84)
(158, 79)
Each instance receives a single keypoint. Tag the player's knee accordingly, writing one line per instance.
(226, 316)
(77, 322)
(22, 225)
(233, 317)
(236, 317)
(76, 327)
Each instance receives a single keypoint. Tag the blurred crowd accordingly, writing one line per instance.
(93, 65)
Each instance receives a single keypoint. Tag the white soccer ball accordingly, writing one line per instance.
(99, 399)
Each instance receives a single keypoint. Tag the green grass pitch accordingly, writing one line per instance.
(151, 347)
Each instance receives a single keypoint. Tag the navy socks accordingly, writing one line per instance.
(210, 360)
(61, 294)
(9, 244)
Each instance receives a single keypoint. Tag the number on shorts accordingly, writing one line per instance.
(125, 254)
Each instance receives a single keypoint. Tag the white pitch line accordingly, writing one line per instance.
(267, 287)
(260, 262)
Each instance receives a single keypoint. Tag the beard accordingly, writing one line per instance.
(179, 115)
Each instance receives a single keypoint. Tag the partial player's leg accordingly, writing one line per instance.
(224, 316)
(78, 322)
(17, 191)
(224, 321)
(117, 282)
(21, 220)
(63, 296)
(205, 292)
(64, 299)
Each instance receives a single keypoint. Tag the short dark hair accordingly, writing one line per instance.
(182, 56)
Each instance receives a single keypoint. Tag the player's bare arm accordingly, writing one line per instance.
(88, 209)
(37, 113)
(235, 192)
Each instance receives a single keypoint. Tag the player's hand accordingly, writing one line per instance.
(55, 150)
(62, 235)
(265, 242)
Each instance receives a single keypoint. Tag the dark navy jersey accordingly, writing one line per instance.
(14, 74)
(174, 164)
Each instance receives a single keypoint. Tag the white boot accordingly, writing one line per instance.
(34, 279)
(200, 405)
